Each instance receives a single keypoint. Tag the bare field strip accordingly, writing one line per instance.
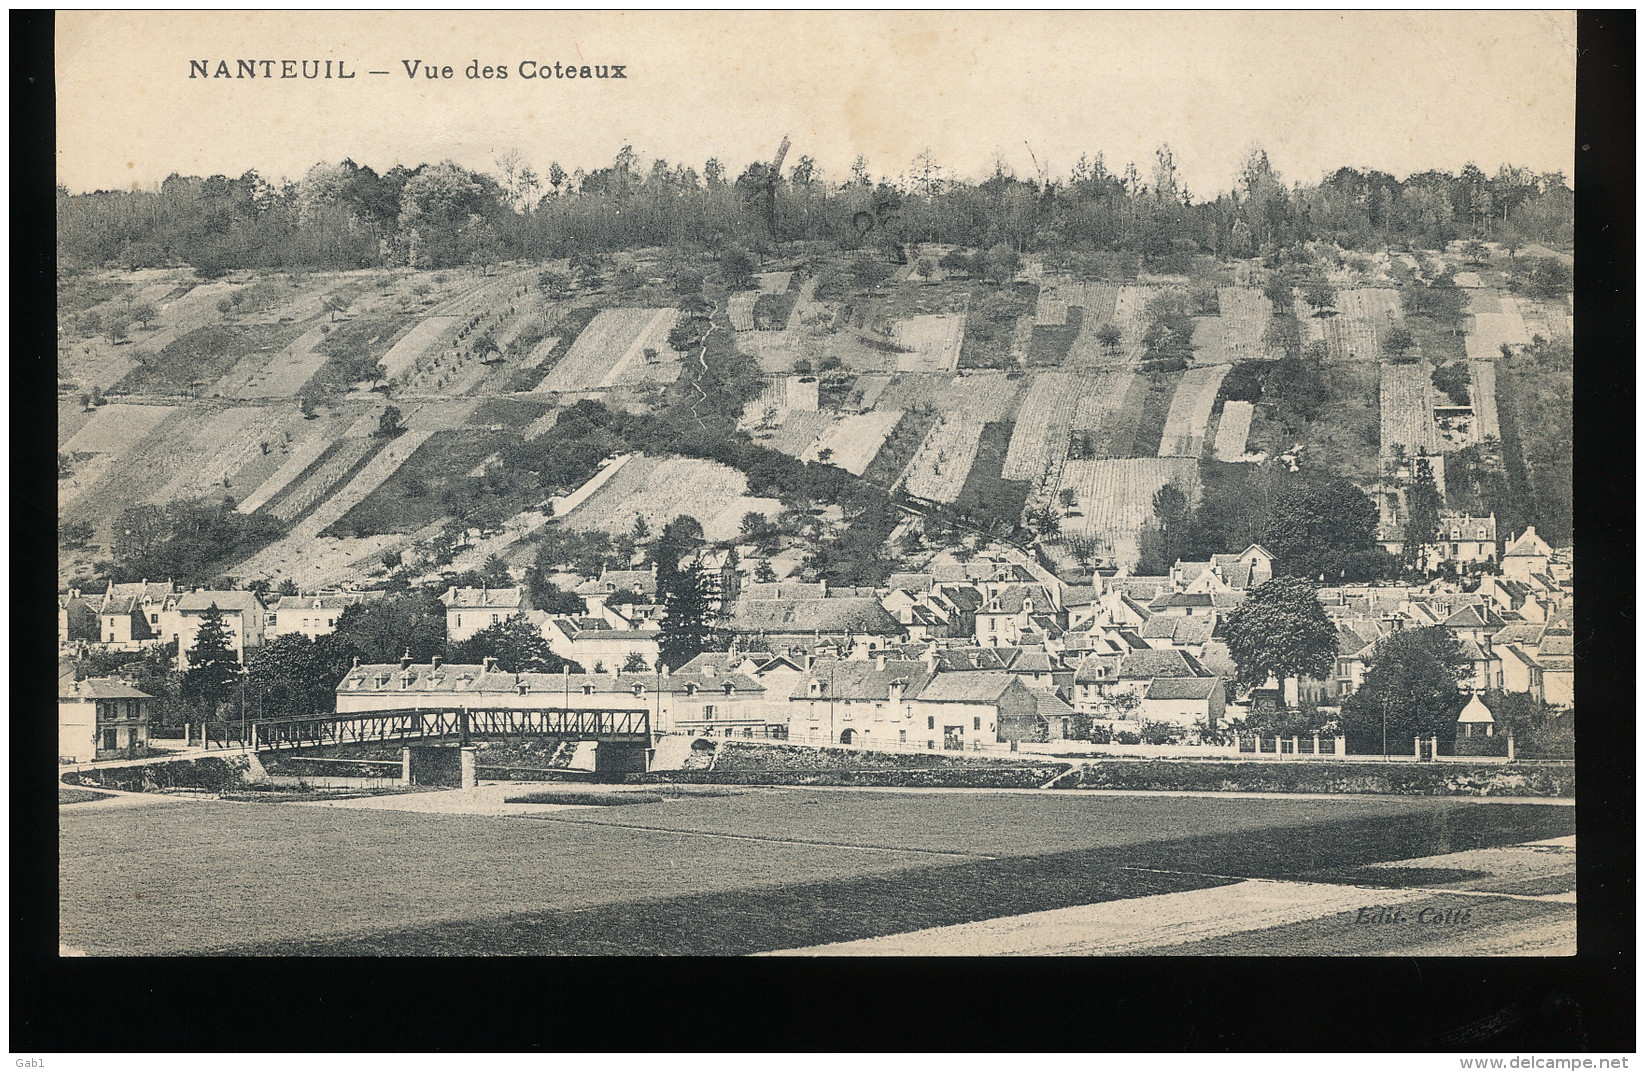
(981, 396)
(798, 430)
(303, 455)
(1115, 498)
(910, 390)
(1099, 397)
(612, 491)
(1482, 393)
(740, 307)
(1233, 430)
(302, 554)
(1407, 405)
(600, 348)
(1039, 442)
(225, 444)
(116, 428)
(714, 494)
(939, 468)
(1244, 312)
(411, 347)
(854, 440)
(869, 388)
(1381, 304)
(1190, 412)
(1209, 347)
(1490, 331)
(96, 363)
(933, 341)
(286, 372)
(318, 484)
(635, 367)
(774, 282)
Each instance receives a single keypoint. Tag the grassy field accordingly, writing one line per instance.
(755, 871)
(204, 355)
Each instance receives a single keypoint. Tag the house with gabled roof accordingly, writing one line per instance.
(469, 610)
(1190, 632)
(1520, 670)
(132, 613)
(311, 614)
(99, 716)
(1010, 614)
(789, 625)
(595, 592)
(1184, 701)
(969, 710)
(76, 617)
(1468, 623)
(1527, 555)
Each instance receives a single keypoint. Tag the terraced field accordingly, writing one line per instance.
(1185, 422)
(1040, 441)
(1232, 431)
(798, 430)
(933, 343)
(852, 441)
(226, 444)
(940, 466)
(1407, 405)
(714, 494)
(1490, 331)
(740, 307)
(1483, 395)
(613, 342)
(1244, 313)
(1114, 498)
(302, 455)
(115, 429)
(909, 390)
(430, 334)
(982, 396)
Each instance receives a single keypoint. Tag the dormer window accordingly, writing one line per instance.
(691, 688)
(728, 688)
(639, 691)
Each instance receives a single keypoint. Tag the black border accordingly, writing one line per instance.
(1582, 1003)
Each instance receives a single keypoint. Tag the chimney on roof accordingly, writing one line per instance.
(708, 668)
(930, 659)
(356, 662)
(436, 661)
(489, 664)
(405, 660)
(810, 660)
(879, 661)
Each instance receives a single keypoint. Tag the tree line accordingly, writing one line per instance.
(344, 216)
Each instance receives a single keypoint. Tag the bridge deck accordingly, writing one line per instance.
(370, 727)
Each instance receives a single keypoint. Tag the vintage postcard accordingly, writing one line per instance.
(815, 483)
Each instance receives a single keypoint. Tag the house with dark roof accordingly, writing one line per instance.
(595, 593)
(469, 610)
(1520, 670)
(973, 710)
(1010, 613)
(856, 701)
(98, 717)
(1184, 700)
(788, 625)
(1055, 715)
(1191, 632)
(597, 645)
(131, 614)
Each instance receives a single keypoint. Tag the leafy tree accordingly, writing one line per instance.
(212, 668)
(143, 312)
(736, 268)
(1281, 630)
(1321, 527)
(1001, 263)
(516, 644)
(1109, 336)
(1397, 343)
(388, 424)
(382, 629)
(1319, 294)
(295, 675)
(1548, 279)
(1422, 503)
(1412, 678)
(635, 664)
(686, 623)
(1172, 512)
(288, 587)
(75, 533)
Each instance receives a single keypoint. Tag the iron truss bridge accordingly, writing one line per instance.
(371, 727)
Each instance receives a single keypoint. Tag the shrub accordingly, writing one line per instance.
(1127, 737)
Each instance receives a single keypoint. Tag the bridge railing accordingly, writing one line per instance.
(375, 727)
